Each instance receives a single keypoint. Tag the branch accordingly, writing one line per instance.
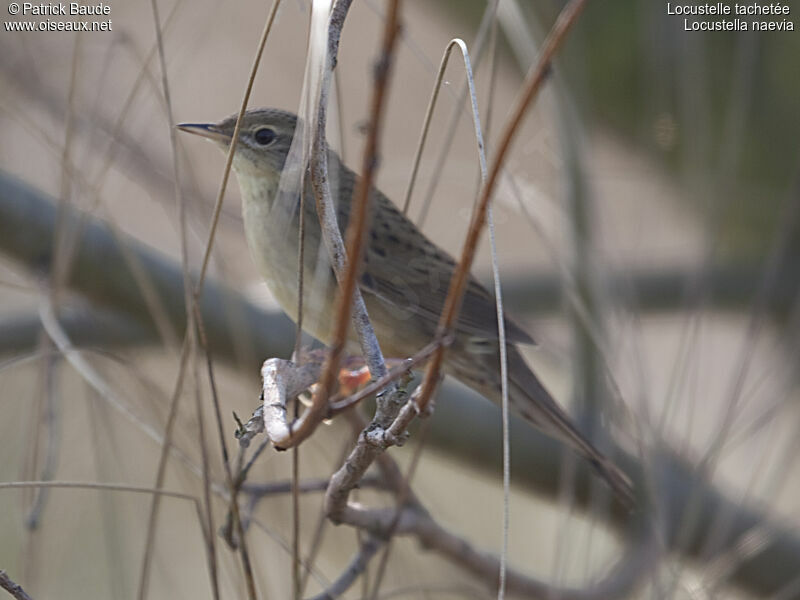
(728, 286)
(104, 271)
(283, 380)
(668, 288)
(416, 522)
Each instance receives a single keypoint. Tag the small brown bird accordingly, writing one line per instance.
(404, 281)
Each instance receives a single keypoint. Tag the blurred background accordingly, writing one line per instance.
(647, 234)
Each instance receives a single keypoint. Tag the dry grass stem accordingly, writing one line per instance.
(437, 86)
(232, 148)
(187, 350)
(234, 507)
(478, 46)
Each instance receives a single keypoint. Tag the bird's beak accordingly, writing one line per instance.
(206, 130)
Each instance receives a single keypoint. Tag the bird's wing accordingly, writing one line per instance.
(404, 269)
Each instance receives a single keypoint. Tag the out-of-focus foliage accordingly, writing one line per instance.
(720, 110)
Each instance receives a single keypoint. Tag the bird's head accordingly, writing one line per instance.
(265, 136)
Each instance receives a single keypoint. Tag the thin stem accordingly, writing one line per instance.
(209, 533)
(533, 83)
(501, 327)
(478, 47)
(113, 487)
(189, 340)
(296, 579)
(234, 141)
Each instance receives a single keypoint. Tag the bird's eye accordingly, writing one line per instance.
(264, 136)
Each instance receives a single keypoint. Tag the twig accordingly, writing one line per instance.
(12, 588)
(390, 401)
(64, 236)
(296, 455)
(298, 340)
(114, 487)
(455, 590)
(315, 546)
(307, 486)
(353, 570)
(346, 269)
(282, 381)
(390, 470)
(396, 431)
(403, 495)
(48, 415)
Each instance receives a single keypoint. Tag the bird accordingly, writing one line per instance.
(404, 278)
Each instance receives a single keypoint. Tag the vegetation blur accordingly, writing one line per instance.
(647, 229)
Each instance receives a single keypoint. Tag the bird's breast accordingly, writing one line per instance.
(272, 236)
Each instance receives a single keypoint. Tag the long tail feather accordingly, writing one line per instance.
(533, 402)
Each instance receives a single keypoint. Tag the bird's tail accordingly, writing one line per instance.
(531, 400)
